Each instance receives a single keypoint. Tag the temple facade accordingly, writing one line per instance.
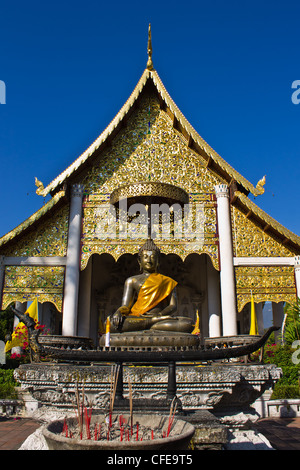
(75, 253)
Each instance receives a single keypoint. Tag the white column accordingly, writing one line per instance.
(70, 302)
(228, 294)
(213, 301)
(297, 274)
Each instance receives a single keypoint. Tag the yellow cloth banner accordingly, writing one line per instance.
(155, 289)
(20, 336)
(253, 320)
(196, 330)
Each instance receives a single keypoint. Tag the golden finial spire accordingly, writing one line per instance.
(260, 185)
(149, 63)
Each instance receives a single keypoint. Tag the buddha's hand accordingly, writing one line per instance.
(117, 317)
(161, 317)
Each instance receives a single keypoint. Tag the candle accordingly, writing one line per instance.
(107, 333)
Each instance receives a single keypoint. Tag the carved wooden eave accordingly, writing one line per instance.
(214, 161)
(37, 217)
(266, 222)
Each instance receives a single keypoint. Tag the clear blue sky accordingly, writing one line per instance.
(70, 66)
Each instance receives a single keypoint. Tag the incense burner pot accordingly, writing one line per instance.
(148, 432)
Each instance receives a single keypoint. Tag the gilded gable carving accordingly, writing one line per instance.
(250, 240)
(161, 155)
(150, 149)
(48, 239)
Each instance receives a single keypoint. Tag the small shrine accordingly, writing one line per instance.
(150, 173)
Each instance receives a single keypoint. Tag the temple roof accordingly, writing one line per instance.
(266, 222)
(240, 186)
(45, 210)
(194, 140)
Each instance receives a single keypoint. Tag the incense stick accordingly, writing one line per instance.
(116, 376)
(171, 415)
(130, 404)
(78, 410)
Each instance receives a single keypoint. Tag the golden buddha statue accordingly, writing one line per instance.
(156, 301)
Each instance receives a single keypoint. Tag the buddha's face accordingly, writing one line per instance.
(148, 261)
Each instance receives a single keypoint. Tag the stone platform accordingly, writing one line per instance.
(216, 386)
(210, 433)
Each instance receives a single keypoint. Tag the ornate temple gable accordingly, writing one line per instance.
(210, 158)
(149, 149)
(161, 155)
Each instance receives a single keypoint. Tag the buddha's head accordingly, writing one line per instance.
(148, 257)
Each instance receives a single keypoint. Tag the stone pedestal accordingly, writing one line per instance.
(210, 434)
(151, 339)
(215, 387)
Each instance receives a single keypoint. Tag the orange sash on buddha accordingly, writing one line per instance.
(156, 288)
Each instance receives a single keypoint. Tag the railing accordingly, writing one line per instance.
(167, 357)
(9, 407)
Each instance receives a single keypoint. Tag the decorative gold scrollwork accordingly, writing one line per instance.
(267, 283)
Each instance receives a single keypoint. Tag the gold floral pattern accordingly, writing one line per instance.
(25, 283)
(150, 149)
(273, 283)
(250, 240)
(48, 239)
(267, 283)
